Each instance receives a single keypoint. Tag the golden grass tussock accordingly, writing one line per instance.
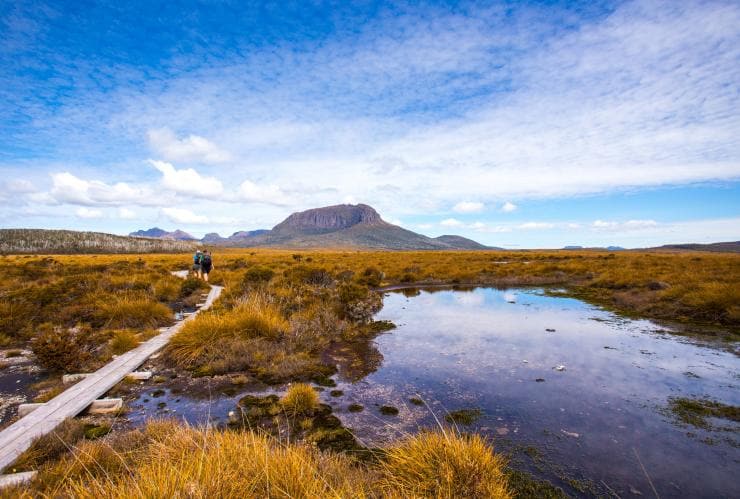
(133, 311)
(444, 464)
(166, 459)
(251, 317)
(300, 398)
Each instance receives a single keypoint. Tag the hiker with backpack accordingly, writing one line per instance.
(206, 264)
(197, 264)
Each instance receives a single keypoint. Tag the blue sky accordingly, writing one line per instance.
(519, 124)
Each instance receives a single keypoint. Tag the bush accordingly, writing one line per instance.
(371, 277)
(300, 398)
(258, 275)
(64, 349)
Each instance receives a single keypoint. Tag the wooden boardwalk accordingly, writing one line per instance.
(17, 437)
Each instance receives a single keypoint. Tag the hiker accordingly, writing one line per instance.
(197, 264)
(206, 264)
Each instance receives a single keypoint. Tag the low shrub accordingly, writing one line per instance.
(257, 275)
(64, 349)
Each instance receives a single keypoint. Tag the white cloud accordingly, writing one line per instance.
(268, 194)
(126, 214)
(468, 207)
(535, 226)
(184, 216)
(424, 226)
(88, 213)
(188, 181)
(67, 188)
(508, 207)
(192, 148)
(451, 222)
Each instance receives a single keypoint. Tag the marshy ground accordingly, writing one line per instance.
(315, 318)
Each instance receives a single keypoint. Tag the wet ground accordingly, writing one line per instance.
(572, 393)
(17, 374)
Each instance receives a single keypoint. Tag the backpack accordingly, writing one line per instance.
(206, 260)
(197, 258)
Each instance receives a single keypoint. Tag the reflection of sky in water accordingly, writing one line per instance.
(487, 347)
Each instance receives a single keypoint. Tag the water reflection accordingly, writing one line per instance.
(583, 386)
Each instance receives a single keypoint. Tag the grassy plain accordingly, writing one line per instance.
(280, 311)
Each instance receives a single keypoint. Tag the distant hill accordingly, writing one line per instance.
(340, 226)
(68, 241)
(463, 242)
(163, 234)
(726, 247)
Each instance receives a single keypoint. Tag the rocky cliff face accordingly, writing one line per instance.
(328, 219)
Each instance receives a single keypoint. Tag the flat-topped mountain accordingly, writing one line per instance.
(329, 219)
(351, 226)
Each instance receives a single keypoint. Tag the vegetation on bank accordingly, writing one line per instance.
(76, 312)
(167, 459)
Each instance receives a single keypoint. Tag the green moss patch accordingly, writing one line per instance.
(696, 411)
(464, 416)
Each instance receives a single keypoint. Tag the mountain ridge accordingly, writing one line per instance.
(343, 225)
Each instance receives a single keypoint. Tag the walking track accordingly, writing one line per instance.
(17, 437)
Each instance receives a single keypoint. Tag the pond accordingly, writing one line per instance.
(593, 425)
(570, 392)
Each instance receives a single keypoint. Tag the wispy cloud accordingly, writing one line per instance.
(184, 216)
(468, 207)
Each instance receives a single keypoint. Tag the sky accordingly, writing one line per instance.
(518, 124)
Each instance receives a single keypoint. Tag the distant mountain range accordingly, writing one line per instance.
(158, 233)
(345, 226)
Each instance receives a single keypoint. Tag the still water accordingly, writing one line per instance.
(600, 420)
(571, 393)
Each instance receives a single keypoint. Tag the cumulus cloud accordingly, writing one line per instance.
(468, 207)
(508, 207)
(184, 216)
(67, 188)
(192, 148)
(188, 181)
(88, 213)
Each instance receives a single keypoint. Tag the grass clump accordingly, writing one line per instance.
(204, 339)
(123, 340)
(696, 411)
(165, 459)
(444, 464)
(49, 447)
(300, 398)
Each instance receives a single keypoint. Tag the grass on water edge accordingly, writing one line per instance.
(168, 459)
